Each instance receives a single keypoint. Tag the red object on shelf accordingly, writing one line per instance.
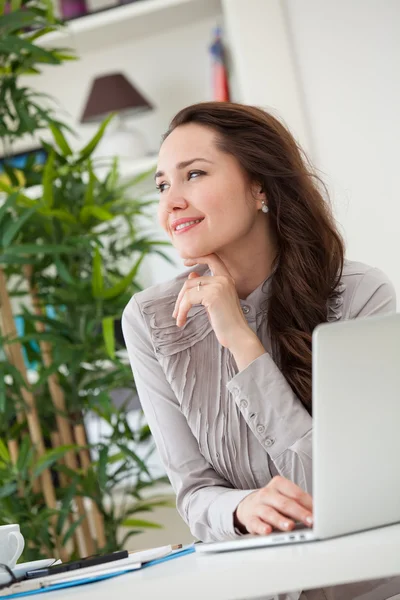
(71, 9)
(219, 69)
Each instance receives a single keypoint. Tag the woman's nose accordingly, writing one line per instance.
(174, 200)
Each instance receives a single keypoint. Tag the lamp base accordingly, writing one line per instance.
(124, 142)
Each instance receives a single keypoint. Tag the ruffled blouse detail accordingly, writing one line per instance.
(167, 337)
(335, 303)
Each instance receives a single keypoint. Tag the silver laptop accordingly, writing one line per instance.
(356, 433)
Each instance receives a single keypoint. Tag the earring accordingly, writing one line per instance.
(264, 207)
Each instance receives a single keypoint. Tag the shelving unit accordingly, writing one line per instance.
(130, 22)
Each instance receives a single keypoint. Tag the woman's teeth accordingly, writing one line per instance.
(183, 225)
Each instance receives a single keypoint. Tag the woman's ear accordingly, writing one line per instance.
(259, 194)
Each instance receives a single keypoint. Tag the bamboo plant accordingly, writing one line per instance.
(70, 255)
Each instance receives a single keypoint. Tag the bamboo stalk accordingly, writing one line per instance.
(58, 400)
(13, 450)
(56, 442)
(14, 353)
(80, 437)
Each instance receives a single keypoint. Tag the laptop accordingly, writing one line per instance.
(356, 433)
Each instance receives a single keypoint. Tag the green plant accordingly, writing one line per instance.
(71, 253)
(21, 108)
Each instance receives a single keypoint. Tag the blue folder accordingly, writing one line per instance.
(91, 579)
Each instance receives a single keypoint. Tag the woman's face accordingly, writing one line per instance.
(199, 182)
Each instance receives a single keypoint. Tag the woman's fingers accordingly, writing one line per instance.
(268, 507)
(257, 526)
(213, 261)
(192, 275)
(274, 518)
(291, 490)
(287, 507)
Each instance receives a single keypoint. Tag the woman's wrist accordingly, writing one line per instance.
(245, 349)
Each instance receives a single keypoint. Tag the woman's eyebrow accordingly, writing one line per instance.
(182, 165)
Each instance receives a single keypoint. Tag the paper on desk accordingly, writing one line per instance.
(151, 554)
(60, 580)
(92, 574)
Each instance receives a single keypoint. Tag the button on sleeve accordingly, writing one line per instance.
(281, 419)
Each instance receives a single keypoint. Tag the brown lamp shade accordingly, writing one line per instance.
(113, 93)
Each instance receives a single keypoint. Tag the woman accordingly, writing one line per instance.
(221, 355)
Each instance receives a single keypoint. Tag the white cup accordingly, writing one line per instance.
(11, 544)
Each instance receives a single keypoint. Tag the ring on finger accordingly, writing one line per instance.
(198, 285)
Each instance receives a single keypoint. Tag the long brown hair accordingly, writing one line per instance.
(310, 257)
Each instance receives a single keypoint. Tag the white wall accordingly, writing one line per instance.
(348, 56)
(172, 69)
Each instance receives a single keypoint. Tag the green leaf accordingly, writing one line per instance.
(16, 20)
(62, 56)
(39, 33)
(108, 335)
(7, 259)
(91, 146)
(102, 467)
(40, 249)
(17, 45)
(10, 171)
(63, 272)
(120, 287)
(140, 523)
(16, 226)
(8, 204)
(117, 457)
(48, 176)
(15, 4)
(60, 140)
(94, 211)
(135, 457)
(4, 454)
(72, 529)
(89, 196)
(25, 455)
(5, 187)
(8, 489)
(112, 177)
(66, 504)
(97, 275)
(58, 213)
(3, 398)
(50, 457)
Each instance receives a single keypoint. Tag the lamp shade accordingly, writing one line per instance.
(113, 93)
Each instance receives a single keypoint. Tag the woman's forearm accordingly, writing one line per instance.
(246, 349)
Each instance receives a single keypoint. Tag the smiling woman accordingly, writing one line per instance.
(222, 354)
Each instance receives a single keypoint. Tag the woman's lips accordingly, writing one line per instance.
(186, 229)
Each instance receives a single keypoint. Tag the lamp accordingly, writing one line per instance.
(114, 93)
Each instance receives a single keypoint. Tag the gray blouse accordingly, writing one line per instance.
(220, 433)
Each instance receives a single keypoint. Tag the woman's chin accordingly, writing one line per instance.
(193, 252)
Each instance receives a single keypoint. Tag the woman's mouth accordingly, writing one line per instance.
(184, 227)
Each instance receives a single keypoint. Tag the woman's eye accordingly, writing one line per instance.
(160, 187)
(195, 173)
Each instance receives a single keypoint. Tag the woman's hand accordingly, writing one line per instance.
(276, 506)
(218, 295)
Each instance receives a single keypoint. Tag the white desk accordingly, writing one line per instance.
(253, 573)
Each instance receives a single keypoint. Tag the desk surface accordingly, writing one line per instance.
(253, 573)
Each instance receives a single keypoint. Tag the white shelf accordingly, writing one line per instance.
(130, 21)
